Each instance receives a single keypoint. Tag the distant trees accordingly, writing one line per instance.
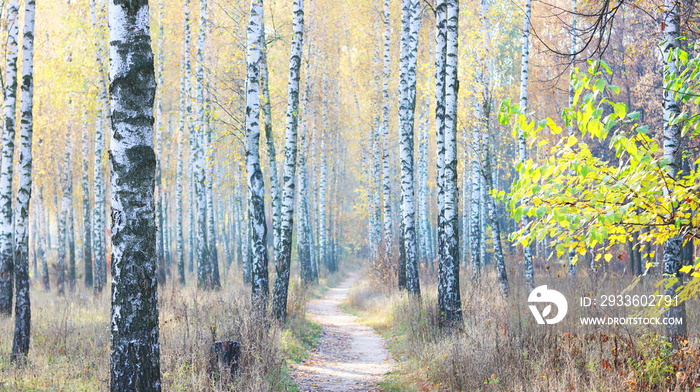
(135, 348)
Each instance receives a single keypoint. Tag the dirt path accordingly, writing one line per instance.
(350, 357)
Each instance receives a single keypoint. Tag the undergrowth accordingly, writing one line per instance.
(500, 347)
(70, 340)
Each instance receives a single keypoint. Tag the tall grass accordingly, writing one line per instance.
(70, 340)
(501, 348)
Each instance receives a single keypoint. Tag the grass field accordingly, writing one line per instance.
(70, 340)
(501, 348)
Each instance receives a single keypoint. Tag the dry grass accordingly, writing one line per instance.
(70, 341)
(501, 348)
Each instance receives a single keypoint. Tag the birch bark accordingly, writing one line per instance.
(410, 22)
(672, 260)
(99, 239)
(522, 145)
(283, 262)
(386, 170)
(256, 195)
(135, 348)
(447, 85)
(6, 161)
(23, 314)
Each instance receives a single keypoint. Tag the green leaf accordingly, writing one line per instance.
(599, 85)
(620, 109)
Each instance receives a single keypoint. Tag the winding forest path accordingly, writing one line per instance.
(350, 357)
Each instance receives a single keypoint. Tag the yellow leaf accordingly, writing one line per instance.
(686, 268)
(608, 257)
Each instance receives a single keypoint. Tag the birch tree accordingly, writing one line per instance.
(386, 170)
(6, 161)
(64, 218)
(187, 64)
(20, 342)
(256, 191)
(321, 204)
(99, 225)
(161, 241)
(672, 260)
(70, 237)
(522, 145)
(376, 188)
(213, 254)
(87, 212)
(99, 240)
(410, 22)
(487, 203)
(284, 258)
(135, 348)
(449, 302)
(180, 239)
(493, 222)
(424, 238)
(205, 276)
(574, 50)
(275, 194)
(304, 239)
(46, 284)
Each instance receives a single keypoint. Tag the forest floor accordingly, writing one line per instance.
(350, 356)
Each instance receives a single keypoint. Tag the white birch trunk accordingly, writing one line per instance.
(180, 239)
(440, 73)
(522, 144)
(447, 85)
(192, 140)
(283, 262)
(376, 191)
(493, 222)
(304, 223)
(213, 253)
(20, 342)
(6, 161)
(275, 194)
(135, 348)
(41, 253)
(410, 19)
(87, 212)
(63, 219)
(205, 278)
(386, 171)
(99, 215)
(423, 216)
(672, 259)
(450, 260)
(161, 241)
(574, 49)
(256, 195)
(322, 215)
